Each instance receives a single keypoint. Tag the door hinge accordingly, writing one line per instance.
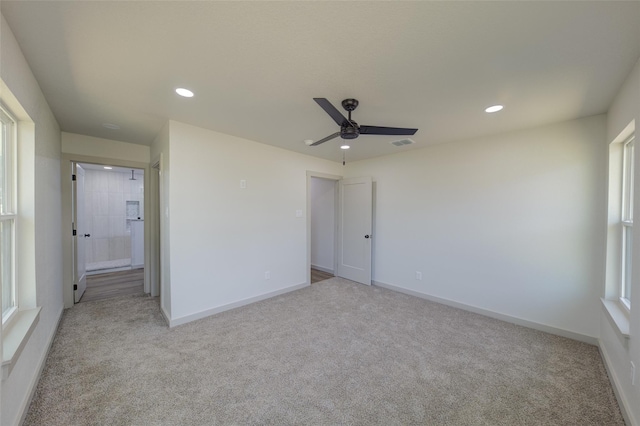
(75, 287)
(74, 232)
(73, 177)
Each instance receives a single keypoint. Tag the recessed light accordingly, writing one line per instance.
(111, 126)
(184, 92)
(494, 108)
(108, 168)
(345, 147)
(308, 142)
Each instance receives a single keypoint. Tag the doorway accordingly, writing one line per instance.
(109, 238)
(351, 230)
(323, 211)
(113, 236)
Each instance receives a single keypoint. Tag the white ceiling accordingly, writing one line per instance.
(255, 66)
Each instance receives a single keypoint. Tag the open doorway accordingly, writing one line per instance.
(323, 198)
(111, 243)
(349, 256)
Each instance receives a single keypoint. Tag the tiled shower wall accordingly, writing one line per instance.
(106, 196)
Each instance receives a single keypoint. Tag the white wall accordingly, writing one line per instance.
(224, 238)
(509, 224)
(619, 352)
(73, 143)
(15, 73)
(323, 223)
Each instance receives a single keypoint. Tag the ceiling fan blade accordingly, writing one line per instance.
(332, 111)
(376, 130)
(328, 138)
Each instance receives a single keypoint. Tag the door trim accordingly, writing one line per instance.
(67, 239)
(79, 281)
(155, 189)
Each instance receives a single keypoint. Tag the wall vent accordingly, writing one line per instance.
(402, 142)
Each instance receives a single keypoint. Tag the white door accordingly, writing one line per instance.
(354, 229)
(80, 266)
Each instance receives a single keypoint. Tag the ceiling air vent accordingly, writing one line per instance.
(402, 142)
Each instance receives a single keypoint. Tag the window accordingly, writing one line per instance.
(8, 215)
(20, 313)
(626, 221)
(616, 300)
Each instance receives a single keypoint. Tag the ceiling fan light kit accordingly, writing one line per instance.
(349, 129)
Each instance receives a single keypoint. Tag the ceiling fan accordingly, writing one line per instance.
(349, 129)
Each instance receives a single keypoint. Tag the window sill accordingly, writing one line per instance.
(15, 337)
(618, 315)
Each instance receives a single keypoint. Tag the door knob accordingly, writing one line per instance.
(87, 235)
(366, 236)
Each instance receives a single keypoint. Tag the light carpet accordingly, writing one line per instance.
(335, 353)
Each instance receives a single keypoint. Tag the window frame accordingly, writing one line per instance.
(8, 212)
(626, 222)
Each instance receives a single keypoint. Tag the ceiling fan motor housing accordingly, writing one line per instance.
(350, 132)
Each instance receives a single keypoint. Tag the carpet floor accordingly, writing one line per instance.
(335, 353)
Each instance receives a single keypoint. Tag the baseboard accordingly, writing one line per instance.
(166, 316)
(203, 314)
(36, 378)
(503, 317)
(323, 269)
(108, 271)
(617, 388)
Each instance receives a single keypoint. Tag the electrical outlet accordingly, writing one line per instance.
(418, 275)
(267, 275)
(634, 380)
(243, 184)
